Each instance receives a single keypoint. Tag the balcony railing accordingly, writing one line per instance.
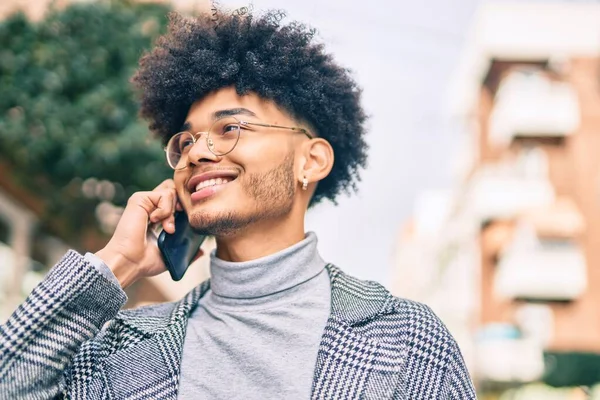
(548, 270)
(532, 105)
(496, 194)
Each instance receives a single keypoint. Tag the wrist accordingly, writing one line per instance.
(123, 269)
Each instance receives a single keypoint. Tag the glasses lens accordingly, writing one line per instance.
(223, 136)
(177, 148)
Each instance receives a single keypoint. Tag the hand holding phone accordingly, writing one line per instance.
(129, 254)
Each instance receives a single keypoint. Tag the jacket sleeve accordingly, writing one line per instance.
(40, 339)
(457, 382)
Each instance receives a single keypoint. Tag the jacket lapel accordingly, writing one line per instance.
(146, 363)
(350, 364)
(144, 356)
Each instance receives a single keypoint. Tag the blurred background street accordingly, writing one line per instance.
(481, 200)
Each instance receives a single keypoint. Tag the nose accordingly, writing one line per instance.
(199, 152)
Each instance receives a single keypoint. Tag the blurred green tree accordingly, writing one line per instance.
(67, 110)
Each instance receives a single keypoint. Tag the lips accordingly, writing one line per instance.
(212, 182)
(208, 183)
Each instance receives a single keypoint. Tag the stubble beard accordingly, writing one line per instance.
(272, 193)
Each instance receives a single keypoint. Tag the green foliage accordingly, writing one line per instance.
(67, 110)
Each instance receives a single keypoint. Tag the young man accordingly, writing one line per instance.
(259, 123)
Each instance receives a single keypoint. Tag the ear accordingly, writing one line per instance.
(316, 161)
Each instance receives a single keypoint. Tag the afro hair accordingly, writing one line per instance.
(256, 53)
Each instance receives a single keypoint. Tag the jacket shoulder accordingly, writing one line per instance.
(408, 325)
(375, 305)
(145, 320)
(159, 310)
(413, 331)
(154, 317)
(411, 321)
(419, 321)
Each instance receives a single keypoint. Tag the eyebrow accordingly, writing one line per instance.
(229, 112)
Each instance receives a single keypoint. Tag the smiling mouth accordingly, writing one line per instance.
(213, 182)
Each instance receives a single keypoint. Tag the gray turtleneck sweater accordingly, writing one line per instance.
(255, 334)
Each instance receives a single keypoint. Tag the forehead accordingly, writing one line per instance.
(203, 112)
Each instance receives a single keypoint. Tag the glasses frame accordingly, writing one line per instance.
(241, 123)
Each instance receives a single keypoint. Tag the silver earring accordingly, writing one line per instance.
(304, 183)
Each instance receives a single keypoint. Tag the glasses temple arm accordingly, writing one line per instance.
(279, 126)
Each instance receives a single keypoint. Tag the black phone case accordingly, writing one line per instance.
(178, 249)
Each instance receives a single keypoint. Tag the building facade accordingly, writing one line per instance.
(512, 260)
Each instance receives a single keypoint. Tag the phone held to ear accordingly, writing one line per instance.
(178, 249)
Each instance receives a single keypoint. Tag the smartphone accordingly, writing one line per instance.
(178, 249)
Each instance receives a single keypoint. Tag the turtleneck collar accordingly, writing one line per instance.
(268, 275)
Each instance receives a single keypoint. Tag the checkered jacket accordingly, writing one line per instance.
(69, 340)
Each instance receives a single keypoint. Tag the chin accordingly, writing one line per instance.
(222, 222)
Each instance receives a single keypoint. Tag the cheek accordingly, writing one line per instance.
(261, 155)
(180, 186)
(182, 195)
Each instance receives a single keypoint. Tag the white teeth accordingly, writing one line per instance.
(212, 182)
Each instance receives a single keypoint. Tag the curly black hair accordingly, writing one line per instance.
(256, 53)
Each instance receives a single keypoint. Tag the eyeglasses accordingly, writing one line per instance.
(221, 139)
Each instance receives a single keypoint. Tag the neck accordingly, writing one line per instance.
(261, 278)
(261, 239)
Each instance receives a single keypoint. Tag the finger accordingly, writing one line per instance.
(169, 224)
(166, 184)
(169, 184)
(164, 201)
(141, 205)
(140, 211)
(135, 217)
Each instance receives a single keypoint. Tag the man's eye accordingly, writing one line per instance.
(186, 143)
(229, 129)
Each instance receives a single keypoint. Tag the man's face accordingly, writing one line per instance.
(253, 183)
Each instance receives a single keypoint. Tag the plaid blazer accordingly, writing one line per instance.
(69, 340)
